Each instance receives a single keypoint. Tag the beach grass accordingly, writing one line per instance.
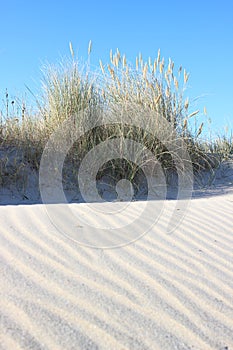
(146, 89)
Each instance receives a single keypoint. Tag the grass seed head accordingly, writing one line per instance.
(71, 50)
(89, 47)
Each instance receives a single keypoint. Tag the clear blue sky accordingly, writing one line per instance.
(196, 34)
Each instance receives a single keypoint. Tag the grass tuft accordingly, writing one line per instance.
(149, 89)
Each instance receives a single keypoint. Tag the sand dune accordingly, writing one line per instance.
(163, 291)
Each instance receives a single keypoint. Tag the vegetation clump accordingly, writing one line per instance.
(149, 90)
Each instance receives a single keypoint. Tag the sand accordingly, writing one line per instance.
(162, 291)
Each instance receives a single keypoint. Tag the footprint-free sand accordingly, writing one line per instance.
(163, 291)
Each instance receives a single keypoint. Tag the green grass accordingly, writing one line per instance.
(145, 90)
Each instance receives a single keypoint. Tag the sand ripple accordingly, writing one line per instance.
(164, 291)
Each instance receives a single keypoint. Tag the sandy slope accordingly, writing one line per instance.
(164, 291)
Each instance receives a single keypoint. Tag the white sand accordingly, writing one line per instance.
(164, 291)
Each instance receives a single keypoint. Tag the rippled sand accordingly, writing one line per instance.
(163, 291)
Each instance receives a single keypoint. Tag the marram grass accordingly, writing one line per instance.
(151, 86)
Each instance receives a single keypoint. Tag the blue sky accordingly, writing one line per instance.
(196, 34)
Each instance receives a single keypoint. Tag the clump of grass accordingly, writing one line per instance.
(21, 147)
(68, 89)
(155, 87)
(146, 90)
(223, 146)
(149, 84)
